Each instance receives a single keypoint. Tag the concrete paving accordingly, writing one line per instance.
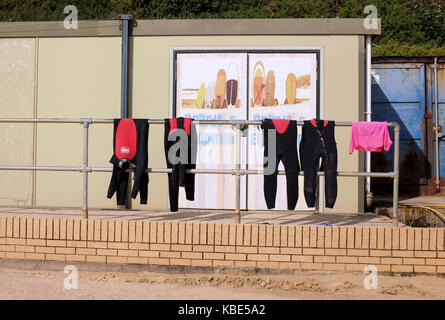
(437, 199)
(227, 216)
(210, 216)
(413, 201)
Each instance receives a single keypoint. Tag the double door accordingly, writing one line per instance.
(404, 92)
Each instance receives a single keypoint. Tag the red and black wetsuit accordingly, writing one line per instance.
(318, 141)
(286, 151)
(179, 177)
(130, 151)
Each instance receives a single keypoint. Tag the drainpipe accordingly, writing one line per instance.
(125, 27)
(436, 126)
(369, 196)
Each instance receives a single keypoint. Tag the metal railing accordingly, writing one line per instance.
(237, 172)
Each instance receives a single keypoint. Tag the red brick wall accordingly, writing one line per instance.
(213, 244)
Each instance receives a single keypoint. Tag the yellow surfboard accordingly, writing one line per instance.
(201, 96)
(291, 89)
(269, 89)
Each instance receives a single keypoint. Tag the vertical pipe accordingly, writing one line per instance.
(124, 70)
(368, 113)
(86, 124)
(34, 125)
(238, 128)
(395, 217)
(436, 126)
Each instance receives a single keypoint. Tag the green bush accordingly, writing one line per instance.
(409, 27)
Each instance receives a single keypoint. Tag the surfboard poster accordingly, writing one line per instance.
(213, 86)
(281, 86)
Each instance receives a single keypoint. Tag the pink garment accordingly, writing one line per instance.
(370, 136)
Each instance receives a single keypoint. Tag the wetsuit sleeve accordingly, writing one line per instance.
(301, 148)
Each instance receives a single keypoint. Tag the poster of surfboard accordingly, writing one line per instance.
(213, 86)
(281, 86)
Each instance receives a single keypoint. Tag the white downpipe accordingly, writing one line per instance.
(368, 118)
(436, 125)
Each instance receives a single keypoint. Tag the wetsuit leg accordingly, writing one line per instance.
(269, 180)
(119, 178)
(270, 186)
(330, 167)
(189, 184)
(287, 146)
(309, 164)
(189, 180)
(291, 168)
(173, 186)
(140, 183)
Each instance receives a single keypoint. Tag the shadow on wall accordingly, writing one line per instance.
(397, 97)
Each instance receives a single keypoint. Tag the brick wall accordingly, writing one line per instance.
(211, 244)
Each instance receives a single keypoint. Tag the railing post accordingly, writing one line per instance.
(86, 124)
(238, 127)
(395, 217)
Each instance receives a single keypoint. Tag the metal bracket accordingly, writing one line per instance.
(121, 17)
(439, 130)
(238, 125)
(86, 122)
(125, 17)
(428, 115)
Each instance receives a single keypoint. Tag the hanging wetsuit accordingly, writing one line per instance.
(318, 141)
(130, 146)
(286, 151)
(179, 177)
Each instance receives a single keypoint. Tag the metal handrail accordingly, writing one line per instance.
(237, 172)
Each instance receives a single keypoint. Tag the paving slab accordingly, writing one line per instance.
(412, 201)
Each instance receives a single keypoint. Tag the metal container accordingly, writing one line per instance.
(403, 91)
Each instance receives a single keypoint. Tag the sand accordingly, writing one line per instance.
(49, 284)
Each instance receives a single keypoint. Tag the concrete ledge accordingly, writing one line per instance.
(57, 29)
(253, 27)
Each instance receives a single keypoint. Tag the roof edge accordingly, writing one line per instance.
(192, 27)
